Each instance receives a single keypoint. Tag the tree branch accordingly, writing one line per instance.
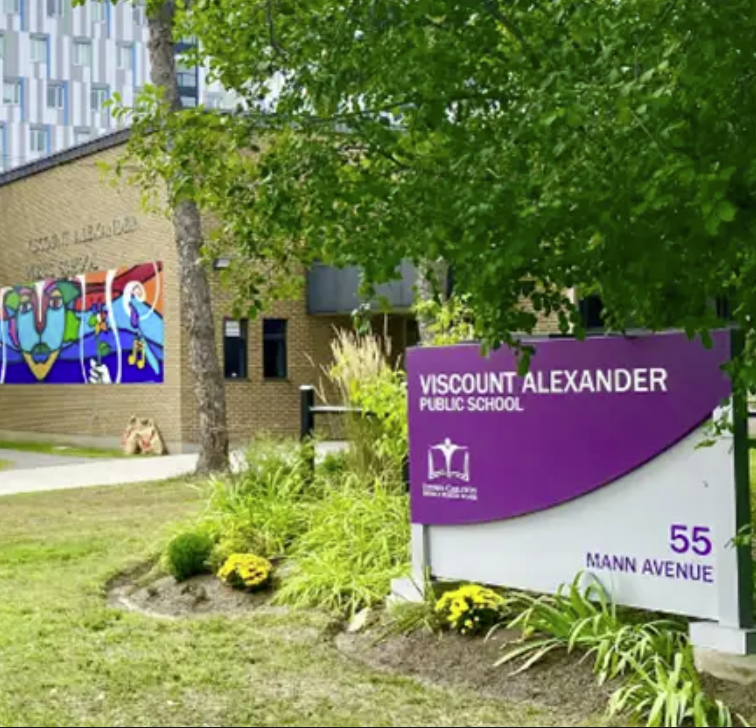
(277, 49)
(494, 10)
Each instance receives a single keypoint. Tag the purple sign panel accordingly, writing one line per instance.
(488, 445)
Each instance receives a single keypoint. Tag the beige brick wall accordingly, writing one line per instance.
(65, 198)
(73, 195)
(254, 403)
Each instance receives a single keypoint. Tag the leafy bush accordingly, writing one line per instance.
(355, 543)
(187, 554)
(654, 658)
(229, 544)
(363, 378)
(668, 693)
(448, 322)
(262, 507)
(407, 617)
(333, 465)
(471, 609)
(246, 571)
(384, 399)
(345, 535)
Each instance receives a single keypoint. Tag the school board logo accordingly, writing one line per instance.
(449, 461)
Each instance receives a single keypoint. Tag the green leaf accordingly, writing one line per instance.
(726, 211)
(104, 349)
(656, 715)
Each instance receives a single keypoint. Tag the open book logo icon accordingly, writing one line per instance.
(448, 460)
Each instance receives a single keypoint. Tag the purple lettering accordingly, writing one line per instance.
(611, 562)
(708, 575)
(669, 570)
(624, 563)
(647, 567)
(683, 571)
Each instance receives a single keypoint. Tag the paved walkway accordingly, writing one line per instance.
(23, 459)
(37, 471)
(93, 472)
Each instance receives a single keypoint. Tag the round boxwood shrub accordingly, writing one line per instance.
(187, 555)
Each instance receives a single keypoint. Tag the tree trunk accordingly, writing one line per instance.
(196, 305)
(432, 282)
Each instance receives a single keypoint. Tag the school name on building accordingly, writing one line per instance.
(85, 234)
(501, 391)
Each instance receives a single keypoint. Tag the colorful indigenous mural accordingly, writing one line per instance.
(104, 327)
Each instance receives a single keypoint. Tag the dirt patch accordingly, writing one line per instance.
(199, 596)
(560, 682)
(740, 699)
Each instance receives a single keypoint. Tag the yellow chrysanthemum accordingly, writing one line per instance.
(245, 571)
(470, 608)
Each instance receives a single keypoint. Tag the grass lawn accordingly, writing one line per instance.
(51, 448)
(4, 464)
(67, 659)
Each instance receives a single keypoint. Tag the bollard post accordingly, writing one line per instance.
(307, 424)
(307, 416)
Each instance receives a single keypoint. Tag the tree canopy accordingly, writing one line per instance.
(536, 146)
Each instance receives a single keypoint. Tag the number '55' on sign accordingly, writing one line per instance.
(687, 538)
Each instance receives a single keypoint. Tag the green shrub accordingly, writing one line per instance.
(346, 535)
(448, 322)
(263, 505)
(363, 378)
(333, 465)
(233, 543)
(654, 659)
(187, 554)
(384, 399)
(355, 543)
(665, 692)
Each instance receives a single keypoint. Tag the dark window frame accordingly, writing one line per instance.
(236, 351)
(275, 353)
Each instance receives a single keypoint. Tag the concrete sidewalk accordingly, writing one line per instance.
(26, 459)
(77, 473)
(117, 471)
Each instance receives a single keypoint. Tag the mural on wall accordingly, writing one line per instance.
(104, 327)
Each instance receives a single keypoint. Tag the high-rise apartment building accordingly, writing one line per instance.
(59, 64)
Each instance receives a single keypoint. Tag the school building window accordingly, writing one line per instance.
(274, 349)
(235, 349)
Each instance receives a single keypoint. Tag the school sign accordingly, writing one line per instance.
(590, 462)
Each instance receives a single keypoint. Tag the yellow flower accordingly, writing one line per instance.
(245, 570)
